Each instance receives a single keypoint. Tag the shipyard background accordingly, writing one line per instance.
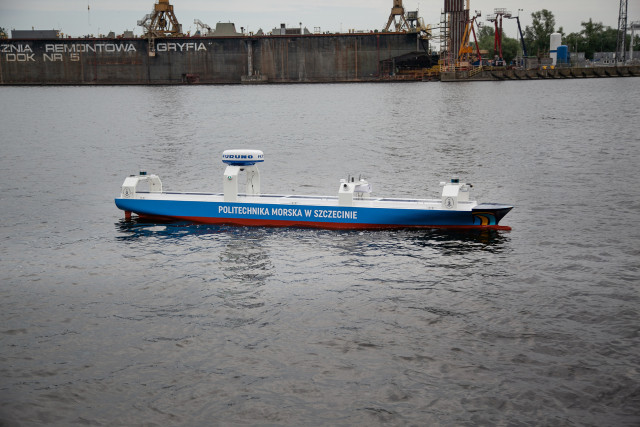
(406, 48)
(106, 322)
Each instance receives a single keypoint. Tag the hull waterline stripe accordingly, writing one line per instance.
(321, 225)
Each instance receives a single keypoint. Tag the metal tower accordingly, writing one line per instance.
(453, 25)
(621, 53)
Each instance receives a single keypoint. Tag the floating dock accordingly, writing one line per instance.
(304, 58)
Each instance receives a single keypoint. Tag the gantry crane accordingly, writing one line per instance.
(397, 17)
(161, 22)
(407, 21)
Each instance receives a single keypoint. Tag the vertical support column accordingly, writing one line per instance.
(253, 180)
(249, 58)
(230, 184)
(231, 177)
(356, 56)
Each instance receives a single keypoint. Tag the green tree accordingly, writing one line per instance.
(575, 42)
(3, 33)
(486, 37)
(592, 34)
(510, 48)
(610, 40)
(594, 37)
(537, 35)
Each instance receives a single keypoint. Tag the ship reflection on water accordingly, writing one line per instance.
(449, 240)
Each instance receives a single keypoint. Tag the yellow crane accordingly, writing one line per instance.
(466, 50)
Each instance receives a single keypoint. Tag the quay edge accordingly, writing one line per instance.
(502, 74)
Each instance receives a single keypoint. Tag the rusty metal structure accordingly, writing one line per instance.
(407, 21)
(397, 17)
(453, 27)
(161, 22)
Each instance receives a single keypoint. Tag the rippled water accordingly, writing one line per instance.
(104, 322)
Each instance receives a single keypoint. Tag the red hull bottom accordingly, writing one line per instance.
(246, 222)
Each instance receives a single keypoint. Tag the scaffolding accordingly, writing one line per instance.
(453, 26)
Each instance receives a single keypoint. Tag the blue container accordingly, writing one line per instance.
(563, 54)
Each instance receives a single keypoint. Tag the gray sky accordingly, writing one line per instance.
(73, 18)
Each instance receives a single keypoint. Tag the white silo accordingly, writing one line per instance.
(555, 41)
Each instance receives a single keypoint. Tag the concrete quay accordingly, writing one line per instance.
(502, 74)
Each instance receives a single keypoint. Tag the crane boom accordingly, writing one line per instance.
(524, 45)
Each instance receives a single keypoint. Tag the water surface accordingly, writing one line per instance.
(106, 322)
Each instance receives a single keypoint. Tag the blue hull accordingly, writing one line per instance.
(332, 217)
